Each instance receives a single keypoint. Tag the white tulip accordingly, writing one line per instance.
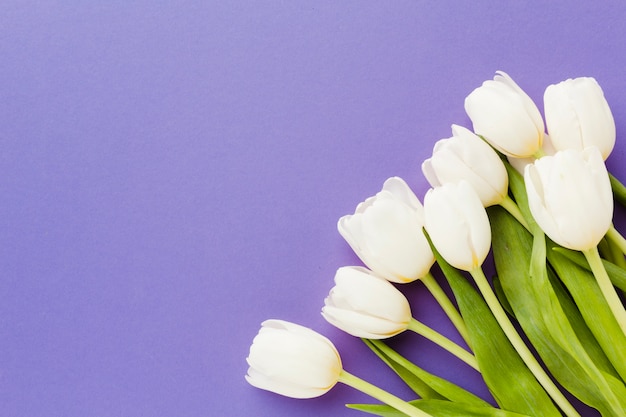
(365, 305)
(570, 197)
(578, 116)
(292, 360)
(506, 117)
(465, 156)
(457, 224)
(386, 233)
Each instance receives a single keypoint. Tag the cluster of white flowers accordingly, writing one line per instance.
(568, 193)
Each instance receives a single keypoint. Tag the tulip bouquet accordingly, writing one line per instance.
(540, 199)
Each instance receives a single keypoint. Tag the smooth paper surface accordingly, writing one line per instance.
(172, 174)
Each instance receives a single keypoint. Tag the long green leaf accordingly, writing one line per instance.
(619, 191)
(589, 302)
(437, 408)
(594, 309)
(540, 314)
(617, 274)
(423, 383)
(413, 381)
(497, 288)
(579, 325)
(512, 384)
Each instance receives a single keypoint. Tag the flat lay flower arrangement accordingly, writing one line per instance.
(537, 196)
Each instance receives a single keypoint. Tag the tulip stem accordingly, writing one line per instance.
(436, 337)
(619, 190)
(381, 395)
(519, 345)
(607, 288)
(448, 307)
(509, 205)
(616, 238)
(611, 252)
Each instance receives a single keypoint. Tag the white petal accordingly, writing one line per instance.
(402, 192)
(369, 294)
(360, 325)
(429, 173)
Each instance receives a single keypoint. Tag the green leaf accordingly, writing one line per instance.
(421, 388)
(619, 191)
(512, 384)
(592, 306)
(437, 408)
(497, 288)
(540, 314)
(518, 189)
(586, 337)
(617, 274)
(423, 383)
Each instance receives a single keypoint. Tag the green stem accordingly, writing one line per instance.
(444, 342)
(519, 345)
(608, 250)
(616, 251)
(509, 205)
(619, 191)
(607, 288)
(447, 305)
(616, 239)
(381, 395)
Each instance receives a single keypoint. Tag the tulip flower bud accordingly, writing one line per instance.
(578, 116)
(570, 197)
(457, 224)
(292, 360)
(465, 156)
(386, 233)
(506, 117)
(365, 305)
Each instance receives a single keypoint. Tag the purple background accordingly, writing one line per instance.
(172, 175)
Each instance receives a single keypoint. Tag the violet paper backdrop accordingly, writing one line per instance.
(172, 175)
